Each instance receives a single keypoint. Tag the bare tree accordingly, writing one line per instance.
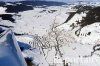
(55, 38)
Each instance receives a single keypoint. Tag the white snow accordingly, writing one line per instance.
(2, 10)
(41, 23)
(35, 23)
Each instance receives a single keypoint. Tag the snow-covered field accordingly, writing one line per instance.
(73, 50)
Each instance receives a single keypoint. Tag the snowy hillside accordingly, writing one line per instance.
(54, 33)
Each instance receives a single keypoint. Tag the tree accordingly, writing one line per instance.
(55, 38)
